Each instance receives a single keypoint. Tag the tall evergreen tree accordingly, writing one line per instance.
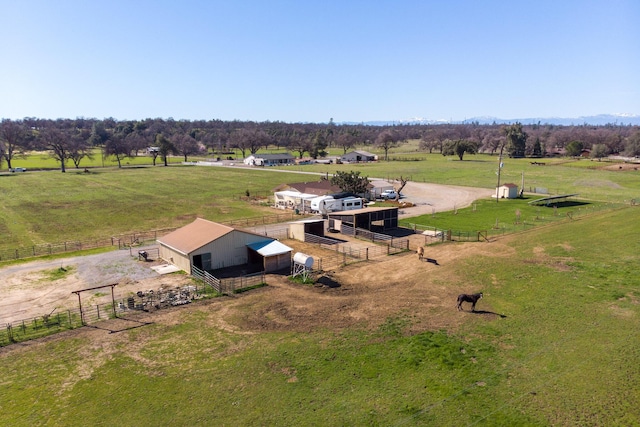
(516, 140)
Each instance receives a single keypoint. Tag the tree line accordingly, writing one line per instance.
(72, 140)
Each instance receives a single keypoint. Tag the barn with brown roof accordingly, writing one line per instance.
(210, 246)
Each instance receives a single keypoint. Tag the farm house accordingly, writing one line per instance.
(318, 188)
(280, 159)
(209, 246)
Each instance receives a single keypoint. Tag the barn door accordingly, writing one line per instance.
(206, 261)
(202, 261)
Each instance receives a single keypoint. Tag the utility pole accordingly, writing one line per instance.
(499, 167)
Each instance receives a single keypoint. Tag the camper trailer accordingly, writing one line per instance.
(325, 204)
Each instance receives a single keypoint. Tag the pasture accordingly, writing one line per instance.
(51, 207)
(553, 342)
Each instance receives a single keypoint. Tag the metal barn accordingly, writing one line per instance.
(210, 246)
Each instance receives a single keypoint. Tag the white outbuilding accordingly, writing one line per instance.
(507, 191)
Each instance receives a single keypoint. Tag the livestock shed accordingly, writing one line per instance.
(208, 245)
(359, 156)
(372, 219)
(507, 191)
(274, 255)
(299, 229)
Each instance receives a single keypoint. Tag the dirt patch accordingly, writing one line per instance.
(622, 167)
(29, 291)
(429, 198)
(363, 294)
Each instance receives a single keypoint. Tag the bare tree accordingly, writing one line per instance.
(386, 140)
(118, 146)
(186, 145)
(12, 139)
(301, 143)
(79, 146)
(240, 140)
(403, 182)
(346, 140)
(57, 142)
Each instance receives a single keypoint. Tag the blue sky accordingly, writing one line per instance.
(309, 61)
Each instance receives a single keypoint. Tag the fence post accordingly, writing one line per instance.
(367, 254)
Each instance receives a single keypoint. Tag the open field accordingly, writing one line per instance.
(593, 180)
(51, 207)
(553, 343)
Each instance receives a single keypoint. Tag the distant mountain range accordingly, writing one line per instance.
(598, 120)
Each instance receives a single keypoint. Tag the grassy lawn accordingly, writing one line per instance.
(51, 207)
(557, 176)
(565, 353)
(506, 215)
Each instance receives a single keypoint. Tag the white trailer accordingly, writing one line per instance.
(326, 204)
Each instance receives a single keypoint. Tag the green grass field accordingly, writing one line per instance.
(51, 207)
(565, 353)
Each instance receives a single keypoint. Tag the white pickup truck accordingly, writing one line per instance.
(388, 195)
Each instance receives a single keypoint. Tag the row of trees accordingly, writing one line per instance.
(71, 140)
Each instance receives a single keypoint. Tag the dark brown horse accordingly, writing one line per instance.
(473, 299)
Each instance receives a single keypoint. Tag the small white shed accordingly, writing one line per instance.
(507, 191)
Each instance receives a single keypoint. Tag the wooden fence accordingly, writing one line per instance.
(127, 240)
(48, 324)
